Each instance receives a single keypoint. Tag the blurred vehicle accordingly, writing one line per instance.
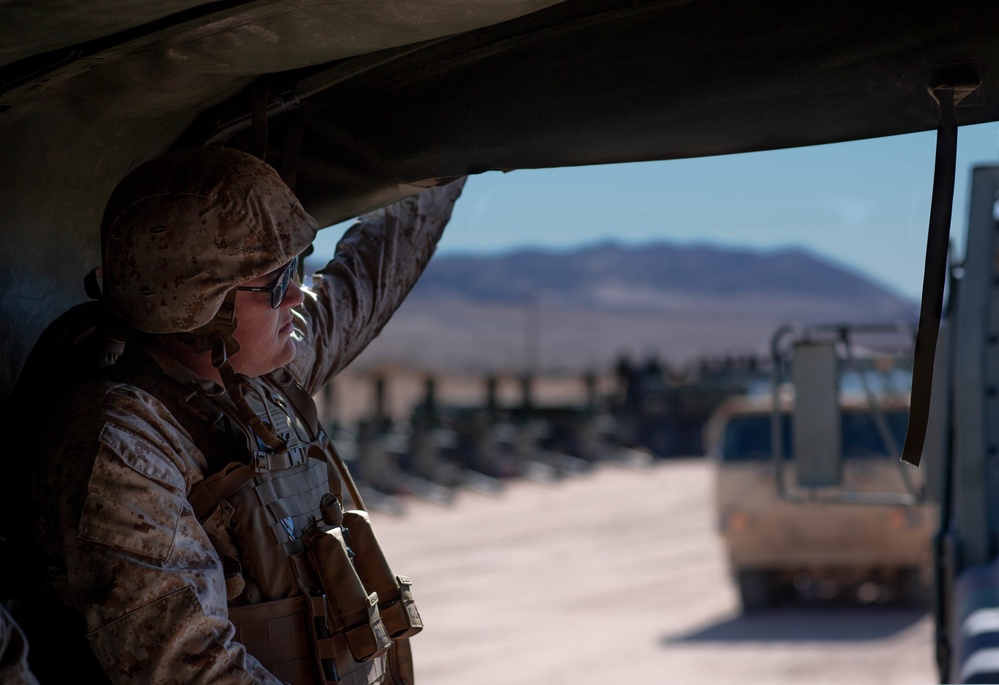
(779, 549)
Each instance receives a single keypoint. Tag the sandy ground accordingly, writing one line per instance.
(618, 576)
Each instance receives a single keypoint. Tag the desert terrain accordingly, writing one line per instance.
(618, 576)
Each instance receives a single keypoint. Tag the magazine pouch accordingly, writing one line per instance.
(395, 595)
(351, 611)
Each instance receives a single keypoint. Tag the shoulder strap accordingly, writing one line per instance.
(211, 428)
(306, 408)
(224, 441)
(300, 399)
(213, 431)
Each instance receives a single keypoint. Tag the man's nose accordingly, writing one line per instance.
(293, 296)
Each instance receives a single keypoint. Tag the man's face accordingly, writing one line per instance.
(263, 332)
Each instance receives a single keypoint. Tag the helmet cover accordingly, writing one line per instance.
(182, 230)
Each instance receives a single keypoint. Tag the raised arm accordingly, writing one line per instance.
(377, 262)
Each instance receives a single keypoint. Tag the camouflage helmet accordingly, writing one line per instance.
(182, 230)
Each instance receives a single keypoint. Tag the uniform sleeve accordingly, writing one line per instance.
(139, 566)
(377, 262)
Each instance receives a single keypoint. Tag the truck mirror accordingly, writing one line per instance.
(818, 458)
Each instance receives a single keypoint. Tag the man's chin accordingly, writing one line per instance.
(288, 357)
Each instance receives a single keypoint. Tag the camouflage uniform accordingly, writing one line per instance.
(120, 535)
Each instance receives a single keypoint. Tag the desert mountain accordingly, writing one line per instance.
(583, 308)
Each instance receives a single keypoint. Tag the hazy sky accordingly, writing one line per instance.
(863, 204)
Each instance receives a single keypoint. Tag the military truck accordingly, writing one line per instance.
(959, 440)
(780, 550)
(960, 402)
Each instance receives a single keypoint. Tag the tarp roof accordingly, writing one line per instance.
(368, 100)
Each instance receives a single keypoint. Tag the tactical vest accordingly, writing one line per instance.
(308, 588)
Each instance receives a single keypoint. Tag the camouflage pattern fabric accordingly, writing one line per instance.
(122, 542)
(228, 216)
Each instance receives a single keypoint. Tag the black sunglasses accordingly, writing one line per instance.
(278, 288)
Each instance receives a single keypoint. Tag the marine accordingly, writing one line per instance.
(189, 508)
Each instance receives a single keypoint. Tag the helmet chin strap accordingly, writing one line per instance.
(218, 333)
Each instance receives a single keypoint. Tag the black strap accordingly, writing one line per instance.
(935, 270)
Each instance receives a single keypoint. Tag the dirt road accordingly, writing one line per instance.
(618, 576)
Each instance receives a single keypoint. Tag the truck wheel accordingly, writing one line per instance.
(756, 590)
